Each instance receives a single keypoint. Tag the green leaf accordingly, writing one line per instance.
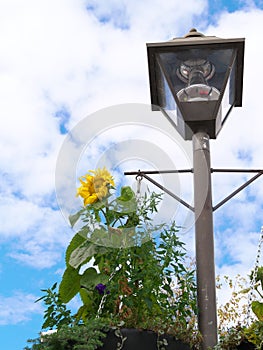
(167, 288)
(69, 285)
(82, 254)
(257, 308)
(149, 303)
(133, 220)
(82, 313)
(127, 194)
(91, 278)
(88, 277)
(112, 215)
(85, 296)
(100, 237)
(260, 276)
(74, 217)
(126, 202)
(76, 241)
(54, 286)
(99, 204)
(245, 291)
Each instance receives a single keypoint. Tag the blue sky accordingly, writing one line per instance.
(61, 61)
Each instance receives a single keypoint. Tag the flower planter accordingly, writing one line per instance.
(148, 340)
(140, 340)
(246, 346)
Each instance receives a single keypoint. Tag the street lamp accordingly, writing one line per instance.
(196, 81)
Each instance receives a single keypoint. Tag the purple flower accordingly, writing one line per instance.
(101, 288)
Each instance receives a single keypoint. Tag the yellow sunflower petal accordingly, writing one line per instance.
(96, 186)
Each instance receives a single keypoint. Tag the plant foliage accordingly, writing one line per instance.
(123, 267)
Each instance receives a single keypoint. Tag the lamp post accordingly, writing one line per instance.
(196, 81)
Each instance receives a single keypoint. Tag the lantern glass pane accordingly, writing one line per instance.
(220, 59)
(166, 98)
(228, 100)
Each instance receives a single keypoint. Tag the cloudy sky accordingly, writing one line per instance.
(65, 64)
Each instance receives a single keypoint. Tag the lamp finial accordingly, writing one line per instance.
(193, 33)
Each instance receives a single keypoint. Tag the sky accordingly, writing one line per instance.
(79, 68)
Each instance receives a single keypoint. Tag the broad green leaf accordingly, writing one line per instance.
(91, 278)
(126, 194)
(126, 202)
(85, 296)
(88, 277)
(76, 241)
(84, 231)
(82, 313)
(257, 308)
(69, 285)
(74, 217)
(82, 254)
(100, 238)
(99, 204)
(85, 252)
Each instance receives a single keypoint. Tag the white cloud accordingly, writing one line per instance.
(18, 308)
(37, 235)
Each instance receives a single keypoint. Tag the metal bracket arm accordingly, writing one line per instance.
(152, 172)
(144, 174)
(259, 173)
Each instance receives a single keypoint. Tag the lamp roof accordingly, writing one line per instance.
(193, 37)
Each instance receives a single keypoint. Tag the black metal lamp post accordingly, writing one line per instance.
(196, 81)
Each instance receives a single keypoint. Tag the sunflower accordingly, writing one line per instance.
(96, 186)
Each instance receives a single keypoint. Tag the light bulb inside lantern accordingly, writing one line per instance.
(196, 73)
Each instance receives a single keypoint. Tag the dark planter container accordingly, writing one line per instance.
(147, 340)
(246, 346)
(141, 340)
